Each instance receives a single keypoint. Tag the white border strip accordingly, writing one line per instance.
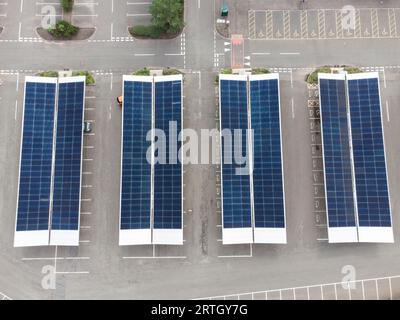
(376, 234)
(41, 79)
(342, 234)
(237, 235)
(332, 76)
(72, 79)
(270, 235)
(136, 78)
(175, 77)
(64, 237)
(31, 238)
(364, 75)
(168, 236)
(265, 76)
(236, 77)
(128, 237)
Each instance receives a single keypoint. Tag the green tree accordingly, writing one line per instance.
(67, 5)
(167, 15)
(63, 29)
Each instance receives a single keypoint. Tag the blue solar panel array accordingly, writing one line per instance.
(336, 149)
(168, 176)
(36, 157)
(267, 158)
(368, 153)
(68, 156)
(136, 169)
(235, 187)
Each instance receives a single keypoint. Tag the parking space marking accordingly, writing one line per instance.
(321, 287)
(321, 24)
(327, 21)
(387, 111)
(4, 296)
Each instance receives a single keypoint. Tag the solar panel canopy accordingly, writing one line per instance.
(253, 205)
(168, 181)
(372, 190)
(268, 190)
(48, 204)
(151, 190)
(35, 173)
(337, 159)
(135, 207)
(68, 162)
(235, 179)
(357, 193)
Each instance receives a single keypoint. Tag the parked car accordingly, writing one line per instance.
(120, 100)
(87, 127)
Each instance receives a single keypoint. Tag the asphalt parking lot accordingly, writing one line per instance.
(202, 267)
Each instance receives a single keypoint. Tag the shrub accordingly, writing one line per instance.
(89, 77)
(67, 5)
(312, 78)
(51, 74)
(169, 72)
(63, 29)
(352, 69)
(260, 71)
(146, 31)
(226, 71)
(142, 72)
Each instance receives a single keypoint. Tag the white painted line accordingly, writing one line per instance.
(173, 54)
(238, 256)
(137, 14)
(138, 3)
(198, 4)
(387, 111)
(22, 5)
(151, 257)
(112, 30)
(289, 53)
(19, 31)
(384, 77)
(261, 53)
(16, 110)
(112, 7)
(72, 272)
(291, 78)
(57, 258)
(292, 108)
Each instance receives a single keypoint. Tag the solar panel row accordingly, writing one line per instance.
(151, 191)
(252, 199)
(50, 165)
(356, 185)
